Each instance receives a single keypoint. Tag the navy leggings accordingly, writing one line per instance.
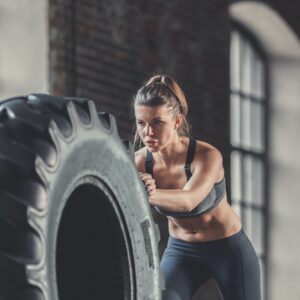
(231, 261)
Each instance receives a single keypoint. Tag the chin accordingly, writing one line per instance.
(153, 148)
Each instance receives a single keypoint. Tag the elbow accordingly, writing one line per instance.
(184, 207)
(190, 208)
(190, 205)
(187, 209)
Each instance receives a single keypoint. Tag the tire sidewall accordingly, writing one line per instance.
(96, 156)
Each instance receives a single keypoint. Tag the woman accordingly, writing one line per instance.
(185, 182)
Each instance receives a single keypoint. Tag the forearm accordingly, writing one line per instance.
(172, 200)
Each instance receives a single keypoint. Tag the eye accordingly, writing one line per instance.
(140, 123)
(157, 123)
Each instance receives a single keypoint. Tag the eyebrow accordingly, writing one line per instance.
(154, 119)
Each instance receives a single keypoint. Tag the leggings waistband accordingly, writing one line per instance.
(212, 245)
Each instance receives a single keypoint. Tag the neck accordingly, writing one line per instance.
(169, 154)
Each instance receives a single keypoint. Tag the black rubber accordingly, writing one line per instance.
(74, 218)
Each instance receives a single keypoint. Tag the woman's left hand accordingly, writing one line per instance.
(149, 182)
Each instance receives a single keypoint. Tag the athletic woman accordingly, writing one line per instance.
(185, 182)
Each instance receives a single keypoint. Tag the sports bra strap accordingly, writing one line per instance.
(149, 163)
(189, 158)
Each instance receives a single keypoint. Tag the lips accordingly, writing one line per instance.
(150, 142)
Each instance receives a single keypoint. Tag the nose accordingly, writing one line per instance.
(148, 130)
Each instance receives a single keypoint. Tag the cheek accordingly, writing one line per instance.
(166, 133)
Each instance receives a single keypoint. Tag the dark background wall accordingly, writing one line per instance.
(105, 50)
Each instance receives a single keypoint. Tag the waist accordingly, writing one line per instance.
(215, 245)
(220, 222)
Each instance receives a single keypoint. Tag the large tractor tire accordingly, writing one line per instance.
(74, 219)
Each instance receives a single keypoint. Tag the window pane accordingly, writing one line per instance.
(246, 122)
(235, 61)
(247, 179)
(258, 78)
(235, 122)
(257, 126)
(253, 180)
(246, 56)
(247, 221)
(236, 192)
(258, 182)
(257, 231)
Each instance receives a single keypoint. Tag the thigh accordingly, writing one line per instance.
(182, 276)
(238, 273)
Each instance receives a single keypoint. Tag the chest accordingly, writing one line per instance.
(172, 177)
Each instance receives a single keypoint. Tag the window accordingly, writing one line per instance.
(248, 140)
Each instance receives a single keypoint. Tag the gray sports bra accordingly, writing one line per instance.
(209, 202)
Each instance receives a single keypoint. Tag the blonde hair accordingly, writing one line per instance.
(163, 90)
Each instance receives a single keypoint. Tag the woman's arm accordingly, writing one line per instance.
(208, 165)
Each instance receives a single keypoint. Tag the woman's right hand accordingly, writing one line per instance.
(149, 182)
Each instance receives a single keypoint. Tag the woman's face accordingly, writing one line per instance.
(156, 126)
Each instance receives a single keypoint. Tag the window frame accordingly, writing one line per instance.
(264, 156)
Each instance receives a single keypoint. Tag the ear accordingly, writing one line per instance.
(178, 121)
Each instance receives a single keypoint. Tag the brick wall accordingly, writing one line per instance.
(61, 72)
(104, 50)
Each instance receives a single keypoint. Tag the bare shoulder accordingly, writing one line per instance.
(205, 149)
(140, 157)
(207, 155)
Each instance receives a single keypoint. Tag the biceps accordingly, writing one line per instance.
(198, 188)
(205, 175)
